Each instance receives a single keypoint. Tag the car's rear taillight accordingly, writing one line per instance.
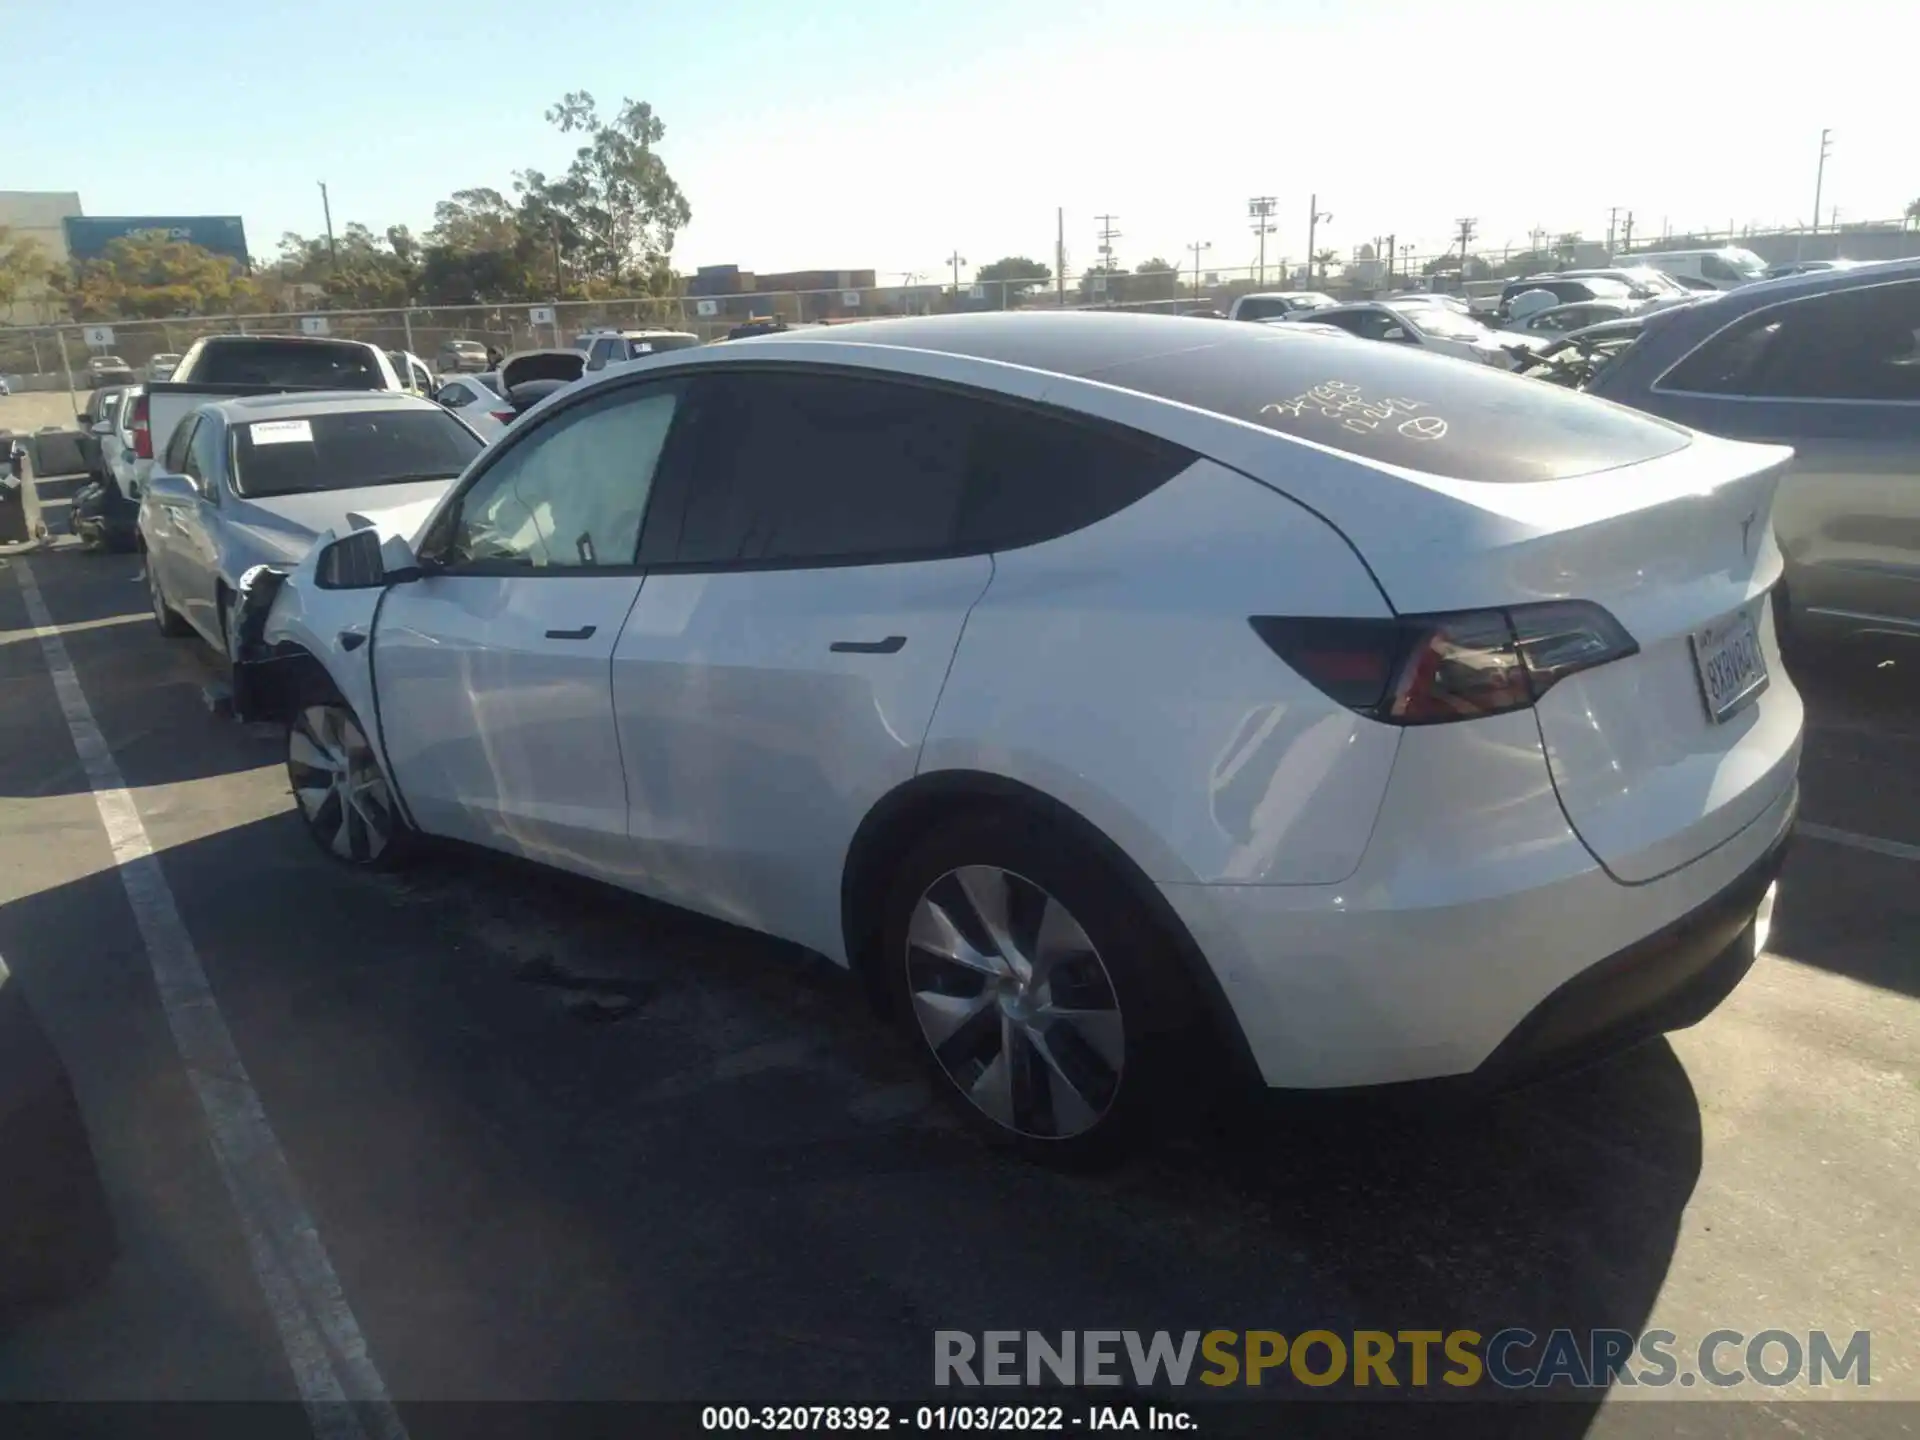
(1431, 669)
(505, 417)
(141, 429)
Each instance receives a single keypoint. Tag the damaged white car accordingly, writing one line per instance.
(255, 480)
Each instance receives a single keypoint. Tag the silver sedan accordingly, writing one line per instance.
(255, 481)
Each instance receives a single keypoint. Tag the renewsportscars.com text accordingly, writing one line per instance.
(1511, 1359)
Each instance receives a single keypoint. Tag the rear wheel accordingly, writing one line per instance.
(345, 802)
(1044, 999)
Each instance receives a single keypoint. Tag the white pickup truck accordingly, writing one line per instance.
(220, 367)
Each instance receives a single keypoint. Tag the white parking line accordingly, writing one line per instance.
(1873, 843)
(336, 1377)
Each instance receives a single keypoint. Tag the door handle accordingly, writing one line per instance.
(352, 639)
(887, 646)
(585, 632)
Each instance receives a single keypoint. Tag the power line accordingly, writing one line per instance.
(1107, 236)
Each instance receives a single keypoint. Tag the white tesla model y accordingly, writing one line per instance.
(1121, 695)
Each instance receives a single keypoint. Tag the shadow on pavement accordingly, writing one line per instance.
(146, 692)
(56, 1237)
(735, 1185)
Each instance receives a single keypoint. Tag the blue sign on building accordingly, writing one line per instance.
(89, 235)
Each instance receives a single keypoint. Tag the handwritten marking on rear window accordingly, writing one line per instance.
(1338, 400)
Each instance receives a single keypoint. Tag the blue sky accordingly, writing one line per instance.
(852, 133)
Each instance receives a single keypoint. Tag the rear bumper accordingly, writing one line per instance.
(1497, 949)
(1670, 980)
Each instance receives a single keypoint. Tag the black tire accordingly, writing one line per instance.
(346, 834)
(1158, 1019)
(165, 617)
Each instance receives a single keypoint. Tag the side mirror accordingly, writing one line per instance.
(361, 560)
(171, 489)
(100, 427)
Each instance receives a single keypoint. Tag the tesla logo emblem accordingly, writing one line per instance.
(1746, 531)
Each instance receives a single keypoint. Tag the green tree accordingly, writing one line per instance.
(1116, 286)
(1322, 259)
(359, 270)
(482, 249)
(1010, 278)
(24, 267)
(1913, 212)
(1155, 279)
(150, 277)
(617, 210)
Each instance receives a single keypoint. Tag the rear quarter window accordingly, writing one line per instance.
(1434, 414)
(301, 363)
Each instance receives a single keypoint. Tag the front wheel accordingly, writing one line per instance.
(1044, 998)
(345, 802)
(164, 615)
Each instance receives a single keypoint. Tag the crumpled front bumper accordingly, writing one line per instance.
(262, 688)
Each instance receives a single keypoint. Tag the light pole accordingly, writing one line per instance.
(956, 260)
(1314, 216)
(326, 208)
(1196, 249)
(1260, 210)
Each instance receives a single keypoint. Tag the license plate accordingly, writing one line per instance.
(1728, 659)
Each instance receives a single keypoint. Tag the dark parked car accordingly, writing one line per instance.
(103, 370)
(1829, 363)
(1566, 291)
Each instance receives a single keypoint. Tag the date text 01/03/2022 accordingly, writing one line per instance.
(978, 1419)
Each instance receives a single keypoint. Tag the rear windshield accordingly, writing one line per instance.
(347, 450)
(314, 364)
(1431, 413)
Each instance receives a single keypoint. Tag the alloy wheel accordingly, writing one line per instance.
(338, 783)
(1014, 1002)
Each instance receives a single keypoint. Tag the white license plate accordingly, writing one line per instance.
(1728, 659)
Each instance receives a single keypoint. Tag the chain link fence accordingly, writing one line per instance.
(56, 357)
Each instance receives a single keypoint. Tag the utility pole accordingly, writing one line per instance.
(1391, 240)
(1196, 249)
(1466, 238)
(1314, 216)
(1260, 210)
(1107, 236)
(1060, 256)
(956, 260)
(1820, 175)
(1534, 237)
(326, 208)
(1613, 218)
(1627, 238)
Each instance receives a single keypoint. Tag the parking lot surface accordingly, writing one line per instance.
(561, 1143)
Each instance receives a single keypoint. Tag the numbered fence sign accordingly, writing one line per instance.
(707, 307)
(979, 292)
(541, 314)
(850, 299)
(313, 324)
(101, 335)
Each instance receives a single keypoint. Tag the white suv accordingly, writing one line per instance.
(1120, 695)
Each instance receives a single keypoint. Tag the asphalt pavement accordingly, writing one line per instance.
(560, 1143)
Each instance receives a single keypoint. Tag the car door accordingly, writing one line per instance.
(162, 518)
(195, 584)
(802, 606)
(492, 669)
(1836, 376)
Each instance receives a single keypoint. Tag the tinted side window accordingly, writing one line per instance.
(822, 467)
(1861, 344)
(791, 469)
(175, 459)
(571, 494)
(1035, 478)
